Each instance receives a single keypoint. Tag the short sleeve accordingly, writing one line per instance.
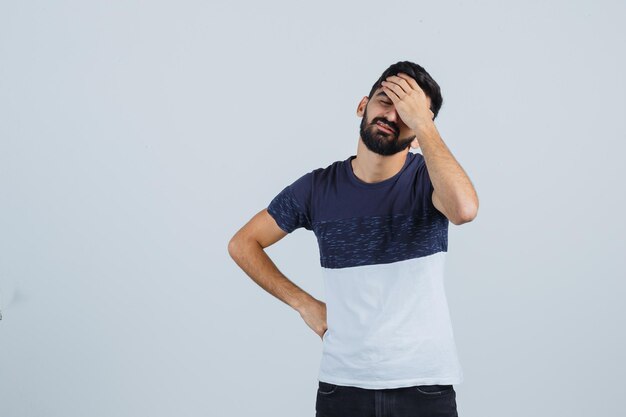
(425, 188)
(291, 208)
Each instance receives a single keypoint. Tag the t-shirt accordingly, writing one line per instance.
(382, 251)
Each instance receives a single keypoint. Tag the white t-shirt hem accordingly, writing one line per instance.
(399, 383)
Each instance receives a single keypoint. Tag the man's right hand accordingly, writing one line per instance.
(314, 315)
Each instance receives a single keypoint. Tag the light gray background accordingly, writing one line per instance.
(138, 137)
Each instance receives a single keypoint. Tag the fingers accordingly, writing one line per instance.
(391, 93)
(399, 83)
(410, 80)
(395, 86)
(402, 84)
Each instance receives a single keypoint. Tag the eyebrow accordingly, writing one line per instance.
(382, 93)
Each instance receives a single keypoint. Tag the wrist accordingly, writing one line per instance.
(426, 131)
(301, 303)
(425, 126)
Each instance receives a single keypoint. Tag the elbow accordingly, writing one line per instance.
(234, 247)
(240, 245)
(467, 213)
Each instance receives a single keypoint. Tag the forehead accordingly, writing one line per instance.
(380, 93)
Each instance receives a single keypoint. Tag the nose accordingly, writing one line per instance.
(392, 116)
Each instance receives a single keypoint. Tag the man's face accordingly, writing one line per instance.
(380, 110)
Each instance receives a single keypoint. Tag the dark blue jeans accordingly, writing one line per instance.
(416, 401)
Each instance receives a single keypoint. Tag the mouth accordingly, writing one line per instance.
(385, 127)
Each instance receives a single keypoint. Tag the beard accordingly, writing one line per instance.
(380, 141)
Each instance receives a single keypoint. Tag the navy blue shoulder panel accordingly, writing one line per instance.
(359, 223)
(291, 208)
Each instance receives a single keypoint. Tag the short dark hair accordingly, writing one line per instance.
(423, 79)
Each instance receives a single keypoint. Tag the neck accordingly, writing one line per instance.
(371, 167)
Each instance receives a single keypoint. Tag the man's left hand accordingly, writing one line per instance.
(410, 101)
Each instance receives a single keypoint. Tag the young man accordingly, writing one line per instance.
(381, 219)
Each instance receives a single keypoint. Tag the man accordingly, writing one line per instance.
(381, 220)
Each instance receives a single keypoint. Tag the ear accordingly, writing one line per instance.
(361, 107)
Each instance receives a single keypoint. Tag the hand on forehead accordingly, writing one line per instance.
(406, 83)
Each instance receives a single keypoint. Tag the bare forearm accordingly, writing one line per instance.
(453, 186)
(255, 262)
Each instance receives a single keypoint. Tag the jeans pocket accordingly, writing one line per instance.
(434, 390)
(326, 388)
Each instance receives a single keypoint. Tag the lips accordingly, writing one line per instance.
(385, 127)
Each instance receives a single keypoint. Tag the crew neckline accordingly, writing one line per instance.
(363, 184)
